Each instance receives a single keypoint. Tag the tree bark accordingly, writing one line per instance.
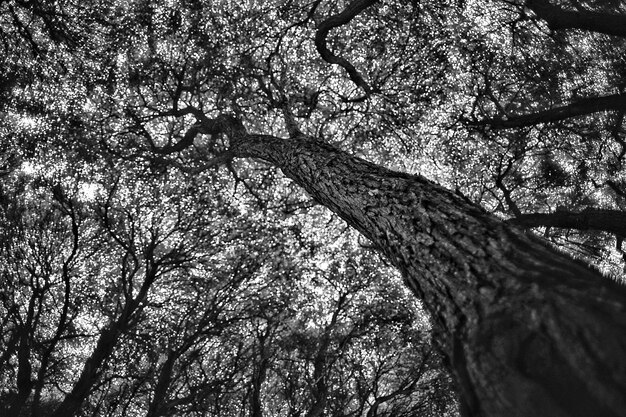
(527, 330)
(558, 18)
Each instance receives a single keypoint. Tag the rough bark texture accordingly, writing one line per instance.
(558, 18)
(529, 331)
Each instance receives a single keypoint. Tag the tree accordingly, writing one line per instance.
(509, 305)
(525, 328)
(167, 302)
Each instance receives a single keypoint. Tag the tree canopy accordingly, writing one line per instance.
(184, 232)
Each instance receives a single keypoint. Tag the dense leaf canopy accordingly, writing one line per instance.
(145, 271)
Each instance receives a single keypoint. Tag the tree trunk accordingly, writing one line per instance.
(527, 330)
(159, 405)
(259, 374)
(73, 401)
(105, 346)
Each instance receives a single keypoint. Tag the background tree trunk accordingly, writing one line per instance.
(527, 330)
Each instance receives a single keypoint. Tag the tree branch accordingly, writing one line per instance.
(220, 159)
(579, 108)
(340, 19)
(290, 122)
(558, 18)
(223, 123)
(612, 221)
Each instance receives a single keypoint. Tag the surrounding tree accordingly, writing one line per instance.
(165, 253)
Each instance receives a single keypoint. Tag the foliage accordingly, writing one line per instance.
(170, 287)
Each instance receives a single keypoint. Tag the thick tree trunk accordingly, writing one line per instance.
(529, 331)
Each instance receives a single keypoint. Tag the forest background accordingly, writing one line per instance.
(160, 255)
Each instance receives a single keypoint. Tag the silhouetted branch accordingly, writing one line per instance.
(107, 342)
(220, 159)
(290, 122)
(558, 18)
(221, 124)
(340, 19)
(612, 221)
(579, 108)
(617, 189)
(506, 192)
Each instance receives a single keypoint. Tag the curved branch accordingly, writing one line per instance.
(220, 159)
(340, 19)
(612, 221)
(579, 108)
(223, 123)
(558, 18)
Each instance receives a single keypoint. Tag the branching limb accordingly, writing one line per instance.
(579, 108)
(238, 180)
(340, 19)
(221, 159)
(616, 134)
(611, 221)
(617, 189)
(223, 123)
(558, 18)
(290, 121)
